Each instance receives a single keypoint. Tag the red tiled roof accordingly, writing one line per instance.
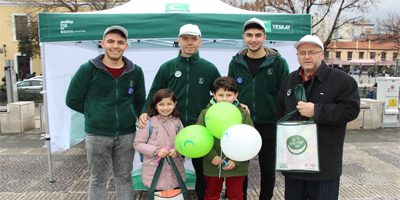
(364, 45)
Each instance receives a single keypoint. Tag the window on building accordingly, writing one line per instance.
(383, 57)
(338, 54)
(326, 57)
(24, 65)
(372, 55)
(361, 55)
(395, 56)
(349, 55)
(20, 22)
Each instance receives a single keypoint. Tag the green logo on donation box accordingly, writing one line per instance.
(296, 144)
(177, 7)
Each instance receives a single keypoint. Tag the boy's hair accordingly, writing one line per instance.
(226, 83)
(157, 97)
(254, 25)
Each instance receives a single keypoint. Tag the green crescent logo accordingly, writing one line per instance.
(296, 144)
(176, 7)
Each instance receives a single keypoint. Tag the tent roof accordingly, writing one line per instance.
(163, 18)
(161, 6)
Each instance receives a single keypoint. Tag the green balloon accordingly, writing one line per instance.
(194, 141)
(220, 117)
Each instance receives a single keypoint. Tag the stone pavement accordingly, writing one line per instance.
(371, 169)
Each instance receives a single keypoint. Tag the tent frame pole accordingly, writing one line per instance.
(46, 115)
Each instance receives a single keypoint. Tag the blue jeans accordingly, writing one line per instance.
(101, 150)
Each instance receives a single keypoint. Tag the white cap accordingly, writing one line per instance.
(189, 29)
(309, 39)
(254, 21)
(120, 28)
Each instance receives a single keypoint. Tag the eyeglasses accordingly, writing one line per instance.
(311, 53)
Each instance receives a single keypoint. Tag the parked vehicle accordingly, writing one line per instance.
(31, 84)
(36, 77)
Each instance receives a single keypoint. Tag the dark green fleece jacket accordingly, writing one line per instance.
(211, 170)
(110, 105)
(191, 79)
(260, 94)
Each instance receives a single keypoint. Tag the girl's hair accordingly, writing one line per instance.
(157, 97)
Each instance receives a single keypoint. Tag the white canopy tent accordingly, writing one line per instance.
(70, 39)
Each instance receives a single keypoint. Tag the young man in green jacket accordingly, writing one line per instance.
(191, 78)
(109, 90)
(259, 72)
(225, 90)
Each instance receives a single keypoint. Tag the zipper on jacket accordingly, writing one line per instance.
(116, 106)
(254, 96)
(187, 89)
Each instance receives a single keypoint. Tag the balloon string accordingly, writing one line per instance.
(149, 160)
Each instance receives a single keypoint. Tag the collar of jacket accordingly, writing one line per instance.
(213, 101)
(321, 73)
(98, 63)
(192, 59)
(272, 54)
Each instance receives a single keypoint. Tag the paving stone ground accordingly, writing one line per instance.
(371, 169)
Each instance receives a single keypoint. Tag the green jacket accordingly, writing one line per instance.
(110, 105)
(191, 79)
(260, 94)
(210, 169)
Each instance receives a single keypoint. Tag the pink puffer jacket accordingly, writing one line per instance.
(163, 135)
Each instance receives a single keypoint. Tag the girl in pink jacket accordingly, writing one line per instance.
(165, 124)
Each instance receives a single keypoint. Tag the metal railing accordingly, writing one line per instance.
(24, 95)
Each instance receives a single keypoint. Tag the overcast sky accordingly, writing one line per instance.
(383, 8)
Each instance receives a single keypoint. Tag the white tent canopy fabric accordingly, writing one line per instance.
(70, 39)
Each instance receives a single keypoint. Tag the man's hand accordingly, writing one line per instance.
(306, 109)
(143, 120)
(245, 107)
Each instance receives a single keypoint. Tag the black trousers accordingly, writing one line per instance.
(266, 159)
(201, 184)
(312, 190)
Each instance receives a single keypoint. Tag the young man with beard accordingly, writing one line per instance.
(109, 90)
(259, 72)
(191, 78)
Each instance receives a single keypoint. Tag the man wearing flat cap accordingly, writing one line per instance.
(259, 72)
(109, 90)
(191, 78)
(332, 101)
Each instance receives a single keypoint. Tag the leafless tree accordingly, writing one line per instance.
(389, 28)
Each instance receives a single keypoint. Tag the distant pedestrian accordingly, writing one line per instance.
(360, 73)
(369, 74)
(372, 73)
(21, 75)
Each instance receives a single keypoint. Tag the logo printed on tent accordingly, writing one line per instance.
(177, 7)
(278, 26)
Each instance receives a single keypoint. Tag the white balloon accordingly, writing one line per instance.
(241, 142)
